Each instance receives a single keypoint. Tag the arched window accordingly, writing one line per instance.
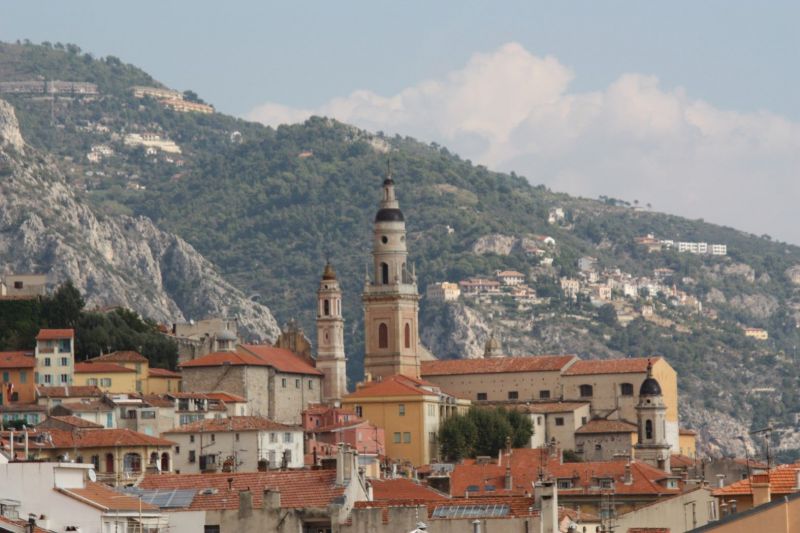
(383, 336)
(384, 273)
(407, 335)
(165, 462)
(326, 307)
(626, 389)
(109, 463)
(648, 429)
(133, 462)
(586, 391)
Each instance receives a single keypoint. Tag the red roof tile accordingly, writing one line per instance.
(22, 525)
(55, 334)
(100, 368)
(606, 426)
(226, 397)
(782, 480)
(497, 365)
(71, 391)
(105, 498)
(403, 489)
(233, 423)
(299, 488)
(76, 421)
(17, 360)
(103, 438)
(610, 366)
(123, 356)
(162, 373)
(237, 358)
(281, 359)
(396, 385)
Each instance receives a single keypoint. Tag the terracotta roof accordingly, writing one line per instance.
(154, 400)
(76, 421)
(55, 334)
(298, 488)
(606, 426)
(782, 481)
(124, 356)
(100, 368)
(396, 385)
(17, 360)
(22, 525)
(233, 423)
(226, 397)
(237, 358)
(681, 461)
(105, 498)
(281, 359)
(402, 489)
(162, 373)
(497, 365)
(103, 438)
(70, 391)
(610, 366)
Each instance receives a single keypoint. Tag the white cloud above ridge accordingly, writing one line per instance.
(512, 110)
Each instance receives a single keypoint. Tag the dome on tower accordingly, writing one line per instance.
(389, 214)
(329, 273)
(492, 347)
(650, 386)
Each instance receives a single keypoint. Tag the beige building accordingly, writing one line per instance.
(202, 337)
(23, 285)
(605, 440)
(444, 291)
(277, 384)
(555, 422)
(55, 357)
(756, 333)
(331, 359)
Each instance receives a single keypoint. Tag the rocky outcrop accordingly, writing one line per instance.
(455, 331)
(793, 274)
(758, 305)
(495, 243)
(718, 433)
(119, 261)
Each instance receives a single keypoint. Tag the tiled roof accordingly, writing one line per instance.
(122, 356)
(606, 426)
(610, 366)
(233, 423)
(55, 334)
(281, 359)
(403, 489)
(70, 391)
(496, 365)
(162, 373)
(396, 385)
(76, 421)
(299, 488)
(100, 368)
(237, 358)
(154, 400)
(226, 397)
(17, 360)
(782, 481)
(103, 438)
(22, 525)
(105, 498)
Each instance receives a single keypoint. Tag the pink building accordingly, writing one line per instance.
(327, 427)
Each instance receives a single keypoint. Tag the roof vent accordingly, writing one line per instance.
(208, 492)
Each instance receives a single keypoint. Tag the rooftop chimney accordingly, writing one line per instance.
(509, 481)
(628, 474)
(245, 503)
(272, 499)
(797, 479)
(759, 483)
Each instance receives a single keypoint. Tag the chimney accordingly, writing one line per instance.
(759, 484)
(272, 499)
(509, 481)
(245, 503)
(340, 465)
(548, 497)
(797, 479)
(11, 441)
(628, 474)
(720, 480)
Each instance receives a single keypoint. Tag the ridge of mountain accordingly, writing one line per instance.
(268, 205)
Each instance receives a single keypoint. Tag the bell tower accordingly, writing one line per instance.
(331, 360)
(651, 411)
(391, 300)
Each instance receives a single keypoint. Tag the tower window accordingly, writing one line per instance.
(626, 389)
(648, 429)
(407, 335)
(384, 273)
(383, 336)
(384, 239)
(326, 307)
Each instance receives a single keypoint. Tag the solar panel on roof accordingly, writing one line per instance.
(470, 511)
(172, 498)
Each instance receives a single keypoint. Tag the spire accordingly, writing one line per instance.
(329, 273)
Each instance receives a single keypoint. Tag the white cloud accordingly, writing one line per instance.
(512, 110)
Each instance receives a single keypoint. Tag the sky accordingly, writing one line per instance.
(691, 107)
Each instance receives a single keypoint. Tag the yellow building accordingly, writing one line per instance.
(756, 333)
(109, 377)
(410, 412)
(146, 380)
(163, 381)
(687, 440)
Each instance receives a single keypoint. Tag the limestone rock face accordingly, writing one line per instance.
(495, 244)
(119, 261)
(793, 273)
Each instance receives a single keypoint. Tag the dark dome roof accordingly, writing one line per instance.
(389, 214)
(329, 273)
(650, 387)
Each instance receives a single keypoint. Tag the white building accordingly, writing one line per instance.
(587, 263)
(510, 277)
(55, 357)
(236, 444)
(152, 141)
(719, 249)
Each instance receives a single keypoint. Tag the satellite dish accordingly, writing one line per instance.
(92, 476)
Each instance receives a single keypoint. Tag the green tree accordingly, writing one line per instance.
(63, 309)
(607, 315)
(457, 436)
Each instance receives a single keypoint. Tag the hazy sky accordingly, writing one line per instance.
(690, 106)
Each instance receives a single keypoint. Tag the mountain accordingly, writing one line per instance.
(267, 206)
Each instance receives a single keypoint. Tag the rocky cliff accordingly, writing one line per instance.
(120, 261)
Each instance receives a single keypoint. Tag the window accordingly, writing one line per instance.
(177, 450)
(48, 378)
(64, 346)
(401, 409)
(273, 437)
(237, 437)
(407, 335)
(283, 382)
(406, 437)
(584, 420)
(359, 411)
(310, 384)
(65, 379)
(65, 361)
(5, 377)
(46, 361)
(544, 394)
(598, 447)
(383, 336)
(606, 483)
(211, 529)
(396, 437)
(564, 483)
(109, 420)
(150, 415)
(192, 456)
(23, 376)
(287, 438)
(326, 307)
(92, 382)
(213, 438)
(296, 383)
(513, 395)
(481, 396)
(132, 462)
(626, 389)
(586, 391)
(18, 285)
(105, 382)
(384, 274)
(287, 455)
(191, 438)
(431, 410)
(559, 420)
(648, 429)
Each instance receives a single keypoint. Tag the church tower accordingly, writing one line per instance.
(331, 360)
(391, 300)
(652, 447)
